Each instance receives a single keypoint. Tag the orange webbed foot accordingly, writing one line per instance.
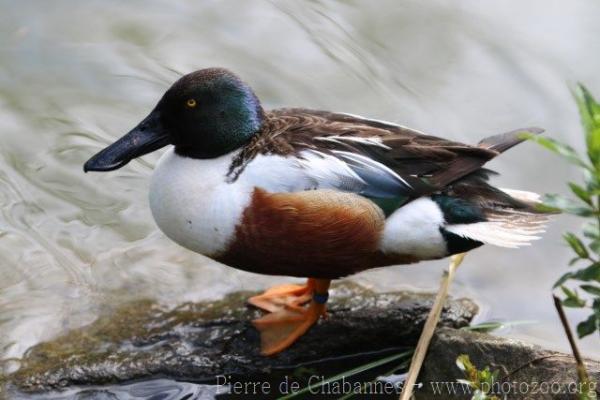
(280, 329)
(289, 319)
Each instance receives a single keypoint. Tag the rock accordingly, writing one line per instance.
(526, 371)
(198, 341)
(143, 349)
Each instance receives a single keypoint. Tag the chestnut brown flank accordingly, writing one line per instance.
(318, 233)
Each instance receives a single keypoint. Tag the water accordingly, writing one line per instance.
(158, 389)
(76, 75)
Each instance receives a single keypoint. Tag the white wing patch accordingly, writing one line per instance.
(311, 169)
(328, 172)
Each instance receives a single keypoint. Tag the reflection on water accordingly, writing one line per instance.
(158, 389)
(75, 75)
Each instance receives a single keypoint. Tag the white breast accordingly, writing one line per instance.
(193, 204)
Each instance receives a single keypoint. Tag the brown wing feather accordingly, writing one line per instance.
(409, 153)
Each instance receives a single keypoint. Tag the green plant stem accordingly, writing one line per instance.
(582, 373)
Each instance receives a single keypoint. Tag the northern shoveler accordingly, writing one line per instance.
(313, 194)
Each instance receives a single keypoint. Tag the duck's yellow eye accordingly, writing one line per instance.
(191, 103)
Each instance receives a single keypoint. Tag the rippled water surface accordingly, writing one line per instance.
(158, 389)
(75, 75)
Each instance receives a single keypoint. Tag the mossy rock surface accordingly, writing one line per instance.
(196, 342)
(143, 349)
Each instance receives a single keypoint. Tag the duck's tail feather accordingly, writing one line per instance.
(505, 141)
(507, 226)
(531, 199)
(469, 163)
(508, 229)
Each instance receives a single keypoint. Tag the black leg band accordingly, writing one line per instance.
(321, 298)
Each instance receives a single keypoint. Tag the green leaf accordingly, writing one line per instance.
(464, 363)
(476, 379)
(595, 246)
(591, 273)
(573, 300)
(574, 261)
(568, 292)
(591, 289)
(591, 230)
(588, 326)
(576, 244)
(580, 192)
(487, 376)
(563, 279)
(561, 149)
(592, 181)
(557, 202)
(589, 111)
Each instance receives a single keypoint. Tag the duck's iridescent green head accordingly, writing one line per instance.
(205, 114)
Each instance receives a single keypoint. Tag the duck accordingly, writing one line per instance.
(314, 194)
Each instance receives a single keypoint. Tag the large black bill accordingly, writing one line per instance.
(145, 138)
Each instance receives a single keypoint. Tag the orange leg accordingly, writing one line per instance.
(288, 319)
